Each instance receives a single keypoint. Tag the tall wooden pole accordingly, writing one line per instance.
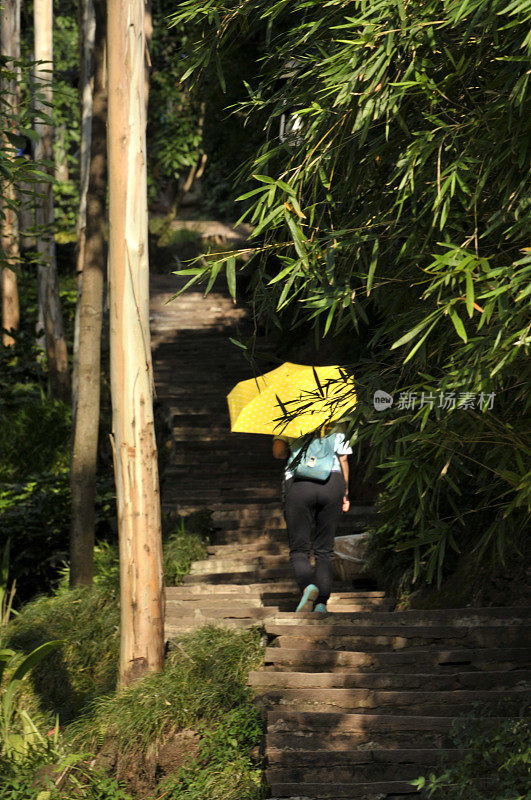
(87, 34)
(85, 420)
(10, 46)
(50, 313)
(135, 452)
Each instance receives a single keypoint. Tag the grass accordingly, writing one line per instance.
(204, 676)
(187, 734)
(181, 548)
(201, 693)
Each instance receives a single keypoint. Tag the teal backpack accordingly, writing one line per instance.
(314, 462)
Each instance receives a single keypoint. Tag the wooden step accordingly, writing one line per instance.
(344, 791)
(337, 624)
(258, 589)
(244, 562)
(279, 757)
(211, 615)
(267, 547)
(189, 624)
(434, 658)
(261, 517)
(224, 601)
(335, 724)
(370, 701)
(399, 638)
(417, 681)
(291, 742)
(249, 536)
(356, 773)
(251, 575)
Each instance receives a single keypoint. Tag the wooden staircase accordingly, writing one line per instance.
(357, 702)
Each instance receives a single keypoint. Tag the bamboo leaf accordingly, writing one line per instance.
(297, 236)
(372, 268)
(231, 276)
(458, 325)
(419, 343)
(469, 293)
(221, 77)
(412, 333)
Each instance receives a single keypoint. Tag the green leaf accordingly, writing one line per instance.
(458, 325)
(267, 221)
(297, 236)
(420, 342)
(264, 178)
(372, 268)
(329, 318)
(469, 293)
(214, 272)
(34, 658)
(221, 77)
(413, 332)
(231, 276)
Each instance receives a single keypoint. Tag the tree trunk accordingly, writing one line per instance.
(50, 308)
(87, 28)
(148, 30)
(10, 46)
(86, 419)
(135, 451)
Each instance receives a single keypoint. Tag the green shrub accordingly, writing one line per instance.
(35, 447)
(495, 766)
(223, 768)
(18, 778)
(85, 666)
(34, 438)
(36, 515)
(49, 774)
(18, 731)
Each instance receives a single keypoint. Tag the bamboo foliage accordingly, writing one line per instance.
(398, 216)
(135, 453)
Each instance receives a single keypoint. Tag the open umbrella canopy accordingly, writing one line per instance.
(291, 400)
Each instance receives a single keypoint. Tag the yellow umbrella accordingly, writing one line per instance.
(291, 400)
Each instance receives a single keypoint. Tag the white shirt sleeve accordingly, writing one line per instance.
(342, 447)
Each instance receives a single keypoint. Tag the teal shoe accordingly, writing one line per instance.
(320, 608)
(308, 596)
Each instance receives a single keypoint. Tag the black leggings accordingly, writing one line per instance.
(306, 503)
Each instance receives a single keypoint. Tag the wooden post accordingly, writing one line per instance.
(50, 313)
(10, 46)
(87, 28)
(135, 452)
